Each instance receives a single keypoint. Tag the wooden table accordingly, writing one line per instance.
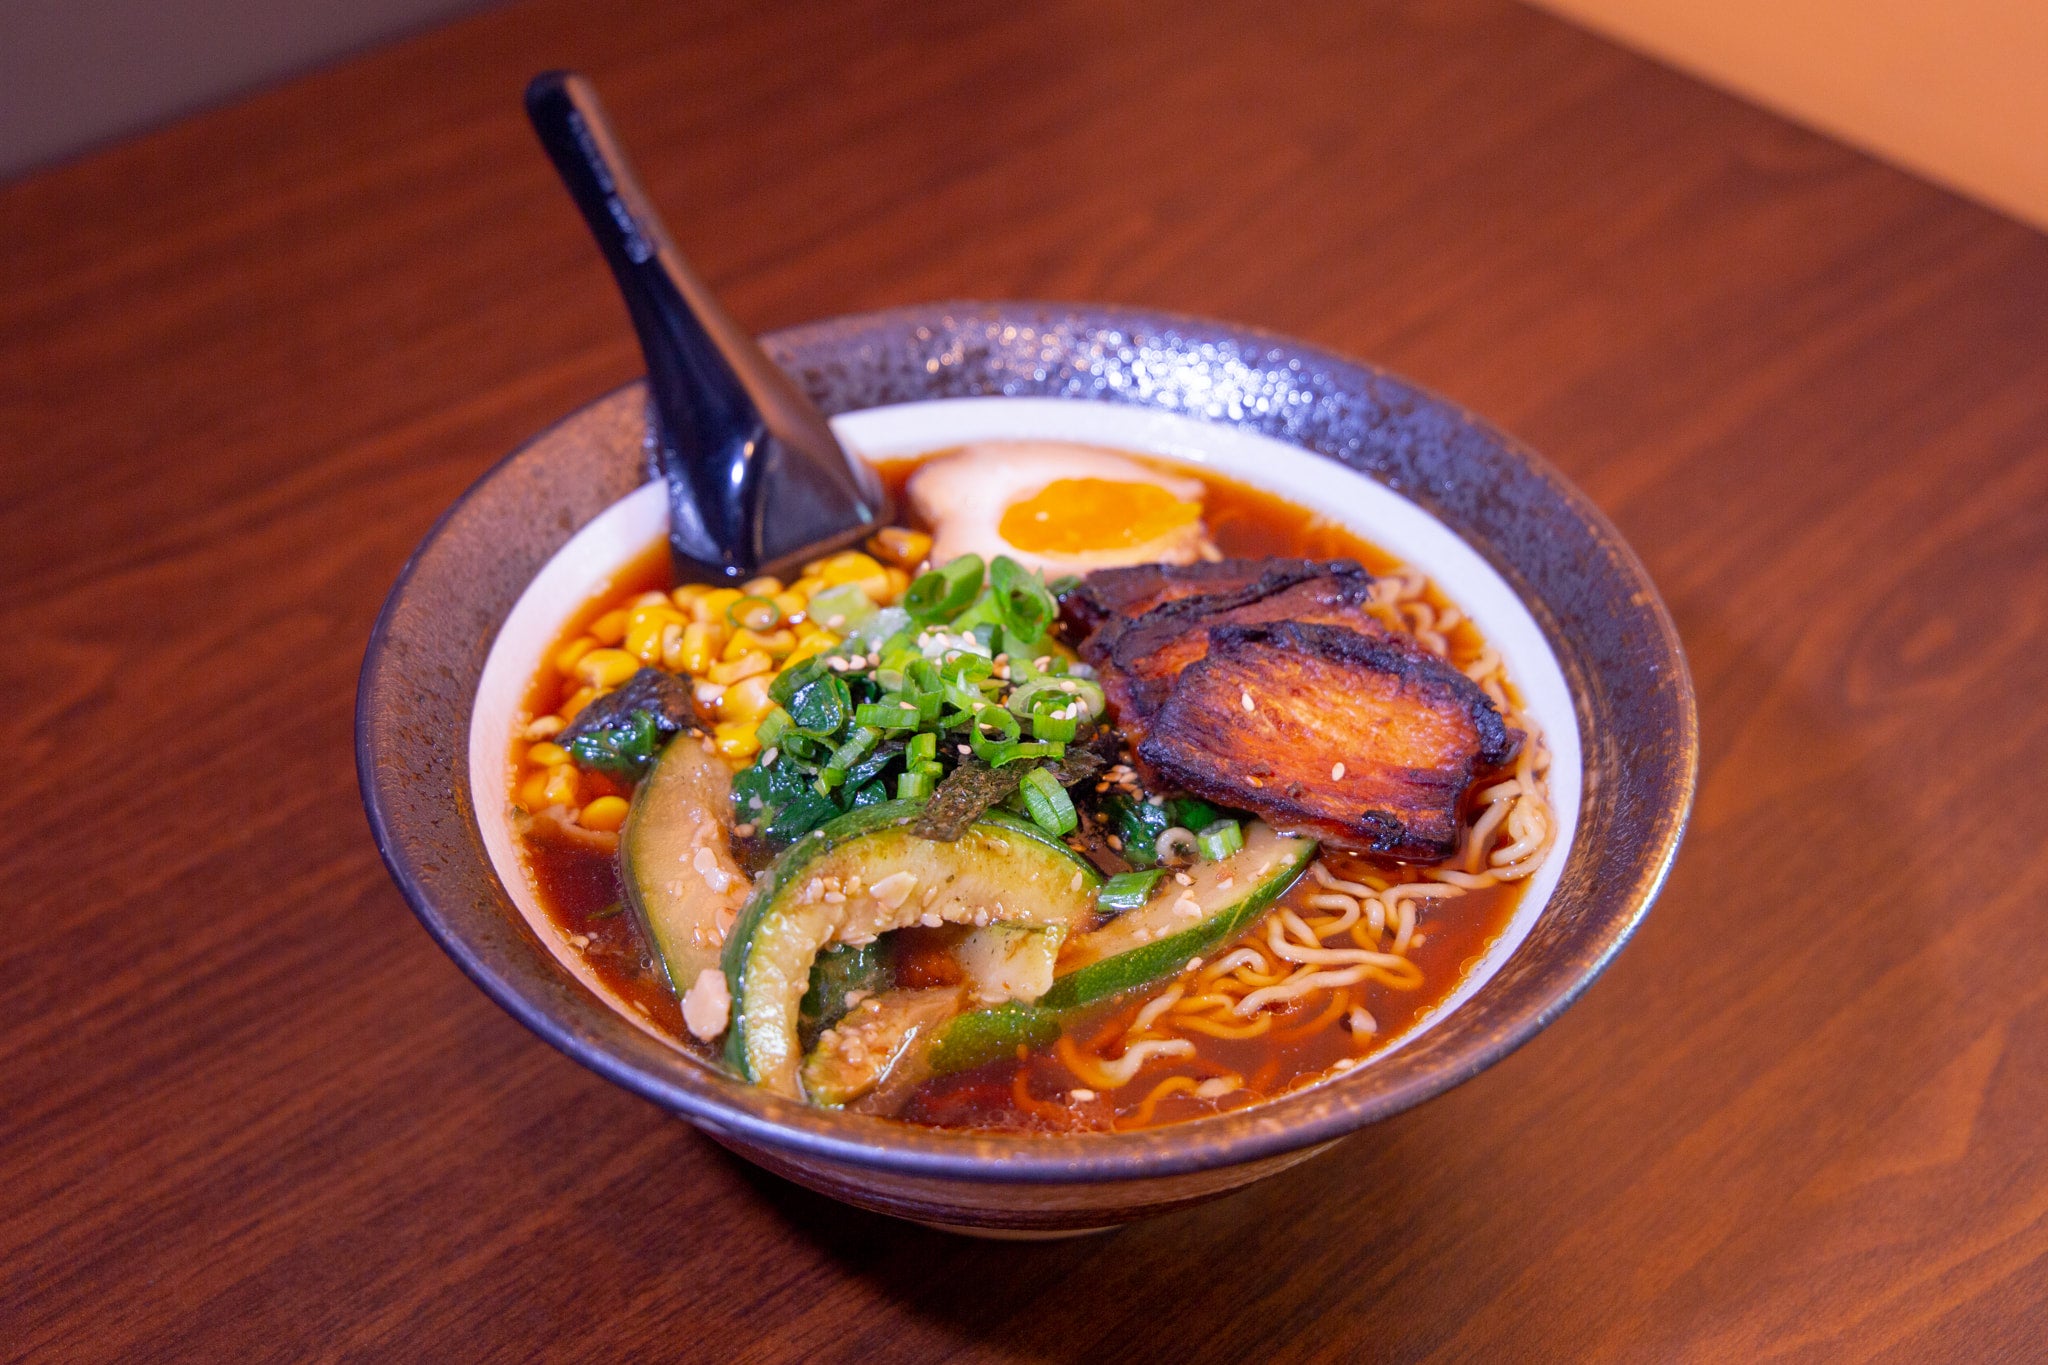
(247, 1109)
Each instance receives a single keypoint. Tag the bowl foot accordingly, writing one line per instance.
(1016, 1234)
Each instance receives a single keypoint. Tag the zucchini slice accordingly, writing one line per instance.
(865, 874)
(1181, 922)
(676, 854)
(1137, 948)
(858, 1053)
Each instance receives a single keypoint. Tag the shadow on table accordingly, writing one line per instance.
(1497, 1210)
(1219, 1281)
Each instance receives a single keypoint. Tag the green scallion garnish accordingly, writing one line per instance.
(1047, 802)
(1128, 890)
(1220, 840)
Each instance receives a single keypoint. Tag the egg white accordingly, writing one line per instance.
(963, 496)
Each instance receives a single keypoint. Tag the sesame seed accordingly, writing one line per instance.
(1337, 772)
(1245, 699)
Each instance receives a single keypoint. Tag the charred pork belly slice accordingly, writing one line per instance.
(1108, 594)
(1139, 657)
(1367, 743)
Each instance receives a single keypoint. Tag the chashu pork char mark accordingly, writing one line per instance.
(1264, 721)
(1139, 657)
(1113, 594)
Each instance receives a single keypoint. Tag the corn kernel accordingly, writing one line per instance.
(672, 654)
(560, 789)
(648, 599)
(686, 596)
(850, 566)
(713, 605)
(767, 585)
(607, 667)
(811, 569)
(547, 755)
(702, 640)
(606, 813)
(774, 643)
(810, 646)
(533, 792)
(746, 666)
(792, 606)
(746, 699)
(544, 727)
(899, 583)
(610, 628)
(899, 545)
(735, 739)
(573, 651)
(664, 610)
(808, 587)
(644, 636)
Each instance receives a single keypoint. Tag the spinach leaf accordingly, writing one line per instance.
(622, 731)
(1137, 823)
(624, 747)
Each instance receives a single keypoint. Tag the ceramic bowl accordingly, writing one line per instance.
(1546, 577)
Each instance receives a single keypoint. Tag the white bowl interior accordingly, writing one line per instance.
(625, 529)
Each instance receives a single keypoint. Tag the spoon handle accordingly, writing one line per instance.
(729, 419)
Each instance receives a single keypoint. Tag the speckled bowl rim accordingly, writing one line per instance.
(1595, 603)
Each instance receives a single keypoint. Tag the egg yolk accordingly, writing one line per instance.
(1074, 516)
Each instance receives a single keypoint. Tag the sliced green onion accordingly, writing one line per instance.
(1220, 840)
(1026, 699)
(915, 785)
(924, 748)
(996, 755)
(1054, 723)
(966, 699)
(840, 609)
(1026, 607)
(755, 614)
(967, 670)
(891, 714)
(1128, 890)
(772, 728)
(1050, 807)
(991, 718)
(983, 611)
(941, 594)
(858, 746)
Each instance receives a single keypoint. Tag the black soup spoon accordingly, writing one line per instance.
(757, 482)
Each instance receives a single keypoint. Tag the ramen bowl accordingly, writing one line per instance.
(1543, 573)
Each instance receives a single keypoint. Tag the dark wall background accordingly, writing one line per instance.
(74, 73)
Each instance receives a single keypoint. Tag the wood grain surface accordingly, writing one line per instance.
(249, 1111)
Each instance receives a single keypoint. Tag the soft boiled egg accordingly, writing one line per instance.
(1058, 508)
